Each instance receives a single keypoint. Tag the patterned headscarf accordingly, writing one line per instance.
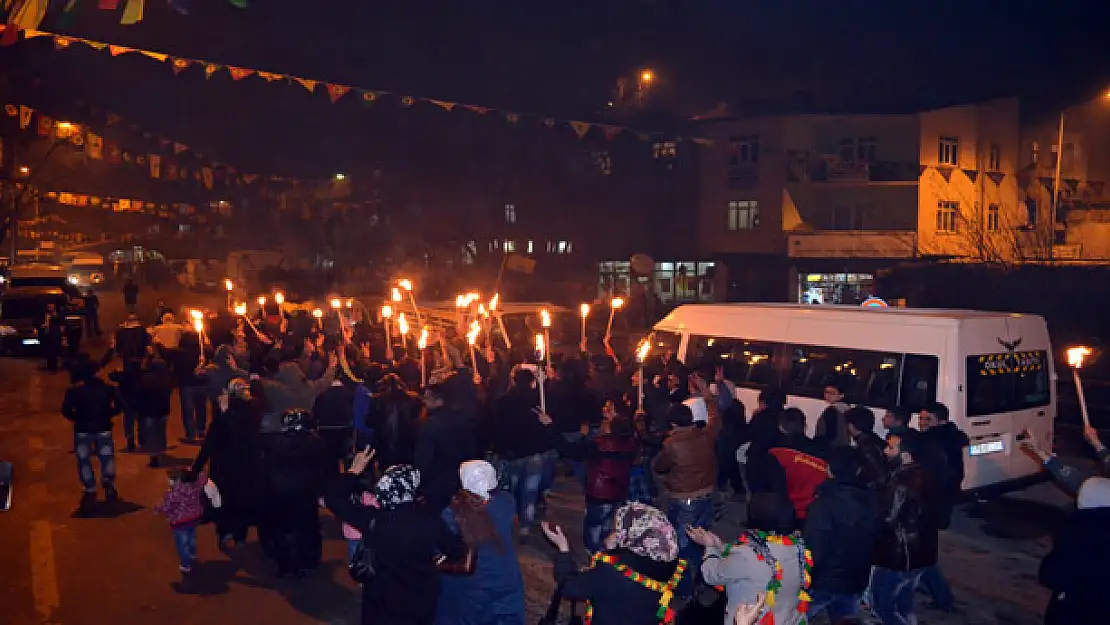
(397, 486)
(645, 531)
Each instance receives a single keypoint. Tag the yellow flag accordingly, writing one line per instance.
(133, 12)
(30, 14)
(580, 128)
(206, 175)
(155, 165)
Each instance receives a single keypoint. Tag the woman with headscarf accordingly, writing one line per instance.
(494, 593)
(445, 439)
(294, 468)
(153, 395)
(232, 450)
(403, 540)
(394, 418)
(634, 579)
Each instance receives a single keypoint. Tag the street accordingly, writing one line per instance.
(117, 564)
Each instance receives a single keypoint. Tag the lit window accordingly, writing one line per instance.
(993, 214)
(510, 246)
(510, 213)
(994, 157)
(948, 152)
(665, 149)
(1035, 152)
(948, 214)
(562, 247)
(743, 149)
(550, 247)
(530, 248)
(570, 247)
(743, 214)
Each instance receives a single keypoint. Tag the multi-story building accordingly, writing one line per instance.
(810, 208)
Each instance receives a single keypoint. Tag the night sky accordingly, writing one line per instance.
(557, 58)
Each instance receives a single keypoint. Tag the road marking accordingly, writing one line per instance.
(36, 463)
(44, 577)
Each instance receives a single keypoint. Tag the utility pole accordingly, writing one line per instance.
(1056, 190)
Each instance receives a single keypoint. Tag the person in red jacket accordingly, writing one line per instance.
(800, 469)
(609, 460)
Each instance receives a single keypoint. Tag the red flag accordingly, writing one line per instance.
(337, 91)
(45, 126)
(108, 5)
(239, 73)
(9, 35)
(179, 65)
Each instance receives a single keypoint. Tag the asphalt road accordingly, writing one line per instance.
(118, 565)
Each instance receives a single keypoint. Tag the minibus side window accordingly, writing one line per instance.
(999, 383)
(746, 363)
(869, 378)
(663, 342)
(919, 381)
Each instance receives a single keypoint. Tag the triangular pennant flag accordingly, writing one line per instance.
(308, 84)
(126, 156)
(946, 173)
(580, 128)
(996, 177)
(611, 132)
(31, 33)
(108, 5)
(337, 91)
(45, 126)
(95, 45)
(921, 170)
(178, 148)
(512, 118)
(61, 43)
(972, 174)
(9, 35)
(368, 97)
(270, 76)
(239, 73)
(132, 12)
(179, 65)
(157, 56)
(113, 119)
(118, 50)
(697, 140)
(209, 69)
(447, 106)
(95, 146)
(481, 110)
(250, 178)
(155, 161)
(30, 14)
(140, 160)
(11, 109)
(407, 100)
(25, 116)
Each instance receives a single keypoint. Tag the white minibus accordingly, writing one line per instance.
(993, 370)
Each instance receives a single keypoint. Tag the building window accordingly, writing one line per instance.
(510, 213)
(530, 247)
(1035, 152)
(1030, 212)
(743, 214)
(564, 247)
(948, 214)
(847, 150)
(743, 149)
(510, 246)
(949, 151)
(866, 148)
(994, 157)
(665, 149)
(993, 215)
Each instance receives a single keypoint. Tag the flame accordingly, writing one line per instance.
(402, 324)
(545, 318)
(240, 309)
(335, 303)
(316, 312)
(1076, 355)
(279, 297)
(198, 325)
(261, 300)
(493, 301)
(423, 342)
(228, 284)
(584, 310)
(196, 314)
(482, 310)
(541, 346)
(617, 303)
(405, 284)
(396, 294)
(387, 311)
(460, 301)
(643, 351)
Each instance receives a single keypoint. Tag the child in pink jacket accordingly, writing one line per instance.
(182, 507)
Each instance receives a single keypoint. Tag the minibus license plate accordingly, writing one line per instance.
(981, 449)
(30, 341)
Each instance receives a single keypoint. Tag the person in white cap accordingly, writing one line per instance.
(494, 592)
(1073, 570)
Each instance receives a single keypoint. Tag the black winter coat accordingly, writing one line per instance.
(1073, 569)
(875, 470)
(90, 405)
(616, 599)
(445, 441)
(404, 543)
(840, 531)
(518, 431)
(950, 441)
(910, 508)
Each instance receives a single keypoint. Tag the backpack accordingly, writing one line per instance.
(361, 566)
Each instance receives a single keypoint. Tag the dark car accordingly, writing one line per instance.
(23, 311)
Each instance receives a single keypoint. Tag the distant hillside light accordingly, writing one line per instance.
(25, 170)
(647, 76)
(341, 177)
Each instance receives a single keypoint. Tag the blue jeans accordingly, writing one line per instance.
(892, 595)
(839, 606)
(132, 426)
(597, 524)
(185, 541)
(683, 513)
(352, 545)
(578, 466)
(550, 461)
(526, 478)
(100, 445)
(194, 410)
(932, 579)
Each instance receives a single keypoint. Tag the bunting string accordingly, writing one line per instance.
(9, 34)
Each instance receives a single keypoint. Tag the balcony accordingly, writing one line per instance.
(830, 169)
(852, 244)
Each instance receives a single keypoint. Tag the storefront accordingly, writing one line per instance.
(835, 288)
(673, 282)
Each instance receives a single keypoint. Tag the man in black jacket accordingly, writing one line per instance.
(90, 403)
(944, 437)
(907, 542)
(861, 425)
(840, 531)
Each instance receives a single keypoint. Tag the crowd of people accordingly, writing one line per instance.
(439, 471)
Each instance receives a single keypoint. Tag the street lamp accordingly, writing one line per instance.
(24, 170)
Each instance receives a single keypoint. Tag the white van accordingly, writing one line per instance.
(994, 371)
